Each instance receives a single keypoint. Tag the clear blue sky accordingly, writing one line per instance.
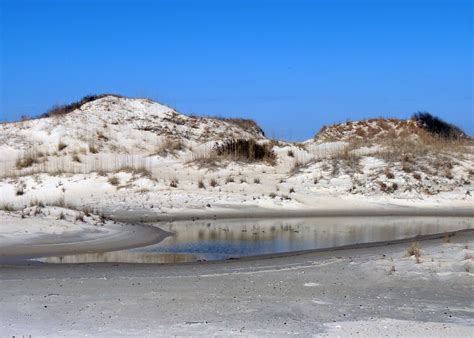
(291, 65)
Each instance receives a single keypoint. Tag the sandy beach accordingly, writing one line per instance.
(370, 291)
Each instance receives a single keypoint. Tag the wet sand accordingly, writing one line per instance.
(119, 237)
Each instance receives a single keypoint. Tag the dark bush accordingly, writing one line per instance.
(67, 108)
(245, 150)
(434, 125)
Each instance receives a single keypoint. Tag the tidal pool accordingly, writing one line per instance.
(226, 239)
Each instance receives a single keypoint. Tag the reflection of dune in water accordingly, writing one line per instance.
(214, 240)
(220, 239)
(121, 257)
(328, 230)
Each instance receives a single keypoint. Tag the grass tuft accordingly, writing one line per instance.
(201, 184)
(7, 207)
(114, 180)
(246, 151)
(414, 250)
(61, 146)
(169, 147)
(174, 182)
(76, 158)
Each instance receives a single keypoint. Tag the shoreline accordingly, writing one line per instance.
(124, 236)
(262, 213)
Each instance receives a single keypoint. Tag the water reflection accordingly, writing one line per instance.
(213, 240)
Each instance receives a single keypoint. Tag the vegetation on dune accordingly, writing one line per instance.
(422, 125)
(248, 125)
(245, 124)
(169, 146)
(436, 126)
(26, 161)
(67, 108)
(245, 150)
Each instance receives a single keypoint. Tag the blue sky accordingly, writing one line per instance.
(291, 65)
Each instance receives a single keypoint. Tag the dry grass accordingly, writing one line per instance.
(335, 168)
(93, 149)
(213, 182)
(201, 184)
(361, 133)
(169, 146)
(414, 250)
(19, 191)
(388, 173)
(113, 180)
(387, 188)
(245, 124)
(174, 182)
(25, 162)
(209, 161)
(448, 174)
(350, 158)
(406, 167)
(87, 211)
(76, 158)
(136, 170)
(28, 159)
(101, 136)
(62, 146)
(36, 203)
(7, 207)
(79, 217)
(446, 238)
(296, 167)
(396, 148)
(59, 202)
(245, 151)
(467, 267)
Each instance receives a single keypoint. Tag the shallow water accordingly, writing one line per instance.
(217, 240)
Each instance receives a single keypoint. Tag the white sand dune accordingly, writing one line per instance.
(139, 159)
